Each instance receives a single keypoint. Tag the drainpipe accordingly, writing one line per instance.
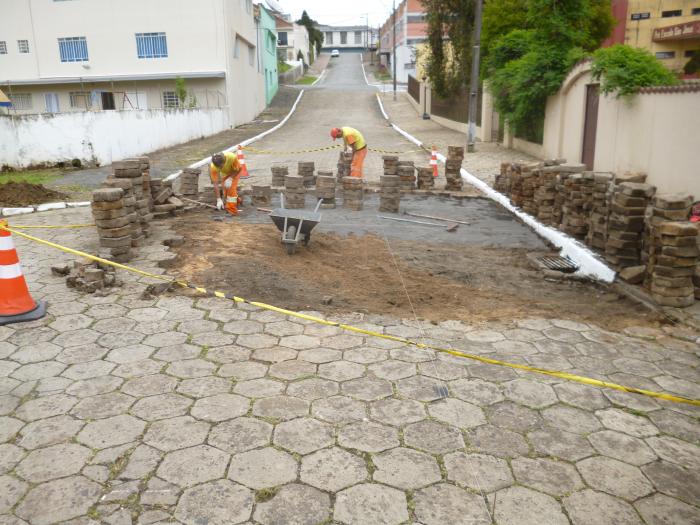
(474, 80)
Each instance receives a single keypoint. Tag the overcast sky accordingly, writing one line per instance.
(335, 12)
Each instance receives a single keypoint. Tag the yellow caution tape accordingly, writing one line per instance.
(271, 152)
(387, 152)
(355, 329)
(59, 226)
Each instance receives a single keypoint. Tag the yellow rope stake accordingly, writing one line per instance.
(350, 328)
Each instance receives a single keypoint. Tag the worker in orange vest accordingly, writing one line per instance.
(225, 171)
(353, 139)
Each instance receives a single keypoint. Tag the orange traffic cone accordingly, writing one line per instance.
(241, 161)
(16, 305)
(433, 162)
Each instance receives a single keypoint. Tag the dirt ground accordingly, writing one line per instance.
(23, 194)
(372, 275)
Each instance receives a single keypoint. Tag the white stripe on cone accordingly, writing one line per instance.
(6, 243)
(10, 271)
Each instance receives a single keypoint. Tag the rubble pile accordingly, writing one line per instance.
(325, 189)
(88, 276)
(294, 192)
(453, 166)
(389, 193)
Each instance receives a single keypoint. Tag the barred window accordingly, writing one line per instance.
(170, 99)
(665, 54)
(23, 46)
(151, 45)
(80, 99)
(21, 100)
(73, 49)
(3, 47)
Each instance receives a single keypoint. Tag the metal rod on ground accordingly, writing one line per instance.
(197, 202)
(264, 210)
(435, 218)
(409, 220)
(474, 80)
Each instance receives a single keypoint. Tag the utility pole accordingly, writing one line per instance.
(393, 59)
(474, 80)
(367, 32)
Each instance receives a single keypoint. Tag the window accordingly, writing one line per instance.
(73, 49)
(343, 37)
(21, 100)
(170, 99)
(151, 45)
(640, 16)
(3, 47)
(665, 54)
(358, 37)
(51, 101)
(690, 53)
(282, 38)
(416, 19)
(672, 13)
(23, 46)
(329, 37)
(80, 99)
(695, 11)
(108, 100)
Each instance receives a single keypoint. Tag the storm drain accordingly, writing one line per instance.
(557, 263)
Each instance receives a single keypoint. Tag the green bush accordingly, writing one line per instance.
(692, 65)
(623, 70)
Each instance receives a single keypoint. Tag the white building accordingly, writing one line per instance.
(348, 37)
(78, 55)
(292, 40)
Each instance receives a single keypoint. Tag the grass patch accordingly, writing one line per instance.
(30, 176)
(307, 79)
(382, 76)
(283, 67)
(263, 495)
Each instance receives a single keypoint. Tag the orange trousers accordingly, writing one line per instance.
(230, 193)
(358, 160)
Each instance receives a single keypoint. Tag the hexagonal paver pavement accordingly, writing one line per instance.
(333, 469)
(294, 503)
(220, 407)
(53, 462)
(368, 437)
(479, 472)
(240, 434)
(303, 435)
(443, 503)
(405, 468)
(219, 502)
(59, 500)
(433, 437)
(176, 433)
(194, 465)
(370, 503)
(263, 468)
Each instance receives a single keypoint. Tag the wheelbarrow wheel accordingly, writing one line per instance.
(291, 236)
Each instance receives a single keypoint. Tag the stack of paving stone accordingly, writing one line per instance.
(344, 163)
(696, 276)
(114, 224)
(352, 193)
(599, 211)
(208, 195)
(565, 171)
(672, 276)
(626, 224)
(545, 193)
(325, 189)
(189, 182)
(453, 165)
(294, 192)
(136, 201)
(515, 184)
(390, 164)
(389, 193)
(578, 189)
(502, 183)
(529, 176)
(426, 180)
(306, 170)
(261, 195)
(406, 171)
(278, 175)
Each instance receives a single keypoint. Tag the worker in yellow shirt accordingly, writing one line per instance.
(356, 141)
(225, 171)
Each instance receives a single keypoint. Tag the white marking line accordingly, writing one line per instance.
(323, 73)
(589, 263)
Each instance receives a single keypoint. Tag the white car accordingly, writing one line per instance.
(335, 53)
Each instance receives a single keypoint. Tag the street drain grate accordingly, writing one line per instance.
(557, 263)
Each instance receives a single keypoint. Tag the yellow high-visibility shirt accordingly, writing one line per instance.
(352, 136)
(231, 166)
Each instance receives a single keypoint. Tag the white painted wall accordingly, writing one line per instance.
(104, 136)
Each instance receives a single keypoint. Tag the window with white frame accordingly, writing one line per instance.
(343, 37)
(73, 49)
(21, 100)
(23, 46)
(329, 37)
(170, 100)
(358, 37)
(151, 45)
(3, 47)
(80, 99)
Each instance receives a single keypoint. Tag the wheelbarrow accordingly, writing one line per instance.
(295, 225)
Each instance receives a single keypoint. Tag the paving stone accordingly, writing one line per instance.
(31, 335)
(44, 407)
(66, 323)
(114, 325)
(314, 388)
(220, 502)
(97, 473)
(220, 407)
(281, 407)
(204, 386)
(243, 327)
(662, 510)
(105, 311)
(411, 354)
(110, 455)
(284, 328)
(367, 388)
(259, 388)
(129, 354)
(176, 433)
(303, 435)
(11, 491)
(332, 469)
(9, 427)
(397, 412)
(392, 369)
(7, 384)
(634, 425)
(343, 341)
(368, 436)
(263, 468)
(212, 339)
(88, 370)
(320, 355)
(226, 315)
(614, 477)
(161, 406)
(674, 480)
(109, 432)
(621, 446)
(339, 410)
(49, 431)
(7, 367)
(153, 516)
(76, 338)
(433, 437)
(35, 371)
(443, 503)
(560, 444)
(595, 508)
(552, 477)
(159, 492)
(369, 503)
(117, 340)
(484, 336)
(677, 425)
(149, 385)
(197, 326)
(94, 386)
(476, 391)
(8, 404)
(523, 334)
(102, 406)
(180, 352)
(478, 472)
(243, 371)
(139, 368)
(341, 370)
(35, 353)
(497, 441)
(571, 419)
(257, 341)
(59, 500)
(142, 462)
(275, 354)
(530, 393)
(443, 370)
(405, 468)
(522, 506)
(194, 465)
(294, 504)
(10, 455)
(365, 355)
(581, 396)
(457, 413)
(190, 368)
(240, 435)
(291, 370)
(676, 451)
(514, 417)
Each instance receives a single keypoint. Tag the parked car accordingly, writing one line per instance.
(335, 53)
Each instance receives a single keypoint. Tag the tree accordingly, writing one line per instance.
(315, 35)
(181, 90)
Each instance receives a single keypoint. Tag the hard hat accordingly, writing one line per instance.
(217, 159)
(336, 133)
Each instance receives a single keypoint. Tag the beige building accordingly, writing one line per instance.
(78, 55)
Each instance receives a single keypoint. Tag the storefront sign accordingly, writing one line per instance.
(685, 31)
